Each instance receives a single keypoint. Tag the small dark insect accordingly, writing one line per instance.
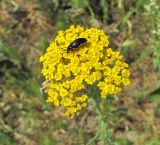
(76, 43)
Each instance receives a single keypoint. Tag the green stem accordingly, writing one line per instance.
(93, 139)
(102, 133)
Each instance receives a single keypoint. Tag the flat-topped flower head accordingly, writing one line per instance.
(68, 73)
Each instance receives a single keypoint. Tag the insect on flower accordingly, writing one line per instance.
(68, 78)
(76, 43)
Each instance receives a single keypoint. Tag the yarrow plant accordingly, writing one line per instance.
(68, 75)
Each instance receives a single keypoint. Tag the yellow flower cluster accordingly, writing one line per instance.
(67, 74)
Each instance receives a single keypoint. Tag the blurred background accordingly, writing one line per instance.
(26, 29)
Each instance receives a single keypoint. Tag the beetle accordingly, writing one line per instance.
(76, 43)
